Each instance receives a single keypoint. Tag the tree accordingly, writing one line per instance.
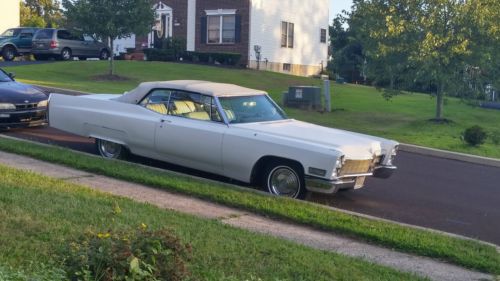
(41, 13)
(416, 42)
(347, 52)
(29, 18)
(110, 19)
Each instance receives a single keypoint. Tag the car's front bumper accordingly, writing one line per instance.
(28, 118)
(325, 186)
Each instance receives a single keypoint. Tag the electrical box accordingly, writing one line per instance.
(305, 97)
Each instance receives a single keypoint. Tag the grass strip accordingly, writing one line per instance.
(39, 214)
(467, 253)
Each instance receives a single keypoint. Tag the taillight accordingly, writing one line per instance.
(53, 44)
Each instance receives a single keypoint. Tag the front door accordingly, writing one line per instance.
(191, 133)
(163, 25)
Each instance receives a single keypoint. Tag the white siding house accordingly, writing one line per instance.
(291, 36)
(308, 52)
(9, 14)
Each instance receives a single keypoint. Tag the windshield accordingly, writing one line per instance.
(13, 32)
(250, 109)
(4, 77)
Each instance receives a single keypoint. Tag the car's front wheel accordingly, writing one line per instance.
(8, 53)
(110, 150)
(285, 179)
(66, 54)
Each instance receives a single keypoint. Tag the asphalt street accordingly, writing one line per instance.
(447, 195)
(21, 63)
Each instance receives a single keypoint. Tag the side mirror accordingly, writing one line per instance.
(11, 75)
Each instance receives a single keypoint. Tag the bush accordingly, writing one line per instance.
(475, 135)
(160, 54)
(221, 58)
(139, 255)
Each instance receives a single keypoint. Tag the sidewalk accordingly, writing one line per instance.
(427, 267)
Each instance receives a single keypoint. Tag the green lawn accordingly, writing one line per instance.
(358, 108)
(31, 234)
(461, 252)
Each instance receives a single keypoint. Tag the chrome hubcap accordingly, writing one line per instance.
(104, 55)
(65, 54)
(9, 54)
(283, 181)
(109, 149)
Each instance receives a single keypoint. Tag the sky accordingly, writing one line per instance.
(336, 7)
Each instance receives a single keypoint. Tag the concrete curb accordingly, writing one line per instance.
(365, 216)
(485, 161)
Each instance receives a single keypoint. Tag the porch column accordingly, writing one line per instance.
(191, 26)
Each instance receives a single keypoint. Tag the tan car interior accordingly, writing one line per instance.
(189, 109)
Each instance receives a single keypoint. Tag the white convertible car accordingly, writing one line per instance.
(228, 130)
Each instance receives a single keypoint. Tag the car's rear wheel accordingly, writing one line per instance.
(8, 53)
(66, 54)
(110, 150)
(104, 55)
(284, 178)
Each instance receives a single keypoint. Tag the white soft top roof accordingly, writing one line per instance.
(202, 87)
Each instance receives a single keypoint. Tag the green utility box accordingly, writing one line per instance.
(304, 97)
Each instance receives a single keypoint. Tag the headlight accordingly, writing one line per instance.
(42, 103)
(7, 106)
(338, 166)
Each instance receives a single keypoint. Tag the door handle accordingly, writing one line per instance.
(163, 121)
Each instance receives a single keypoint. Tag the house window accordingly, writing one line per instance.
(287, 34)
(221, 29)
(287, 67)
(323, 35)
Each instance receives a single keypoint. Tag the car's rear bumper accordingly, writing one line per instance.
(55, 51)
(15, 119)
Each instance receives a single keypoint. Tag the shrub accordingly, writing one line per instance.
(160, 54)
(140, 255)
(475, 135)
(221, 58)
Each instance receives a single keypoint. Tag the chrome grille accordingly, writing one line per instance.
(354, 167)
(26, 106)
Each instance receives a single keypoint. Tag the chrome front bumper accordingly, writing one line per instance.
(320, 185)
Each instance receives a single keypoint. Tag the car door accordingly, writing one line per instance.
(191, 134)
(25, 40)
(92, 47)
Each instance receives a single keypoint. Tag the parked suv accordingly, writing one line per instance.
(64, 45)
(16, 42)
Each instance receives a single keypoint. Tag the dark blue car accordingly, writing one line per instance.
(21, 105)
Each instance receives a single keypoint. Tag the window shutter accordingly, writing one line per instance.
(237, 35)
(203, 31)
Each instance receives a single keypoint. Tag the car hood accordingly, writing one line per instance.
(352, 145)
(14, 92)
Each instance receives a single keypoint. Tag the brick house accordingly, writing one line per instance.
(9, 14)
(288, 36)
